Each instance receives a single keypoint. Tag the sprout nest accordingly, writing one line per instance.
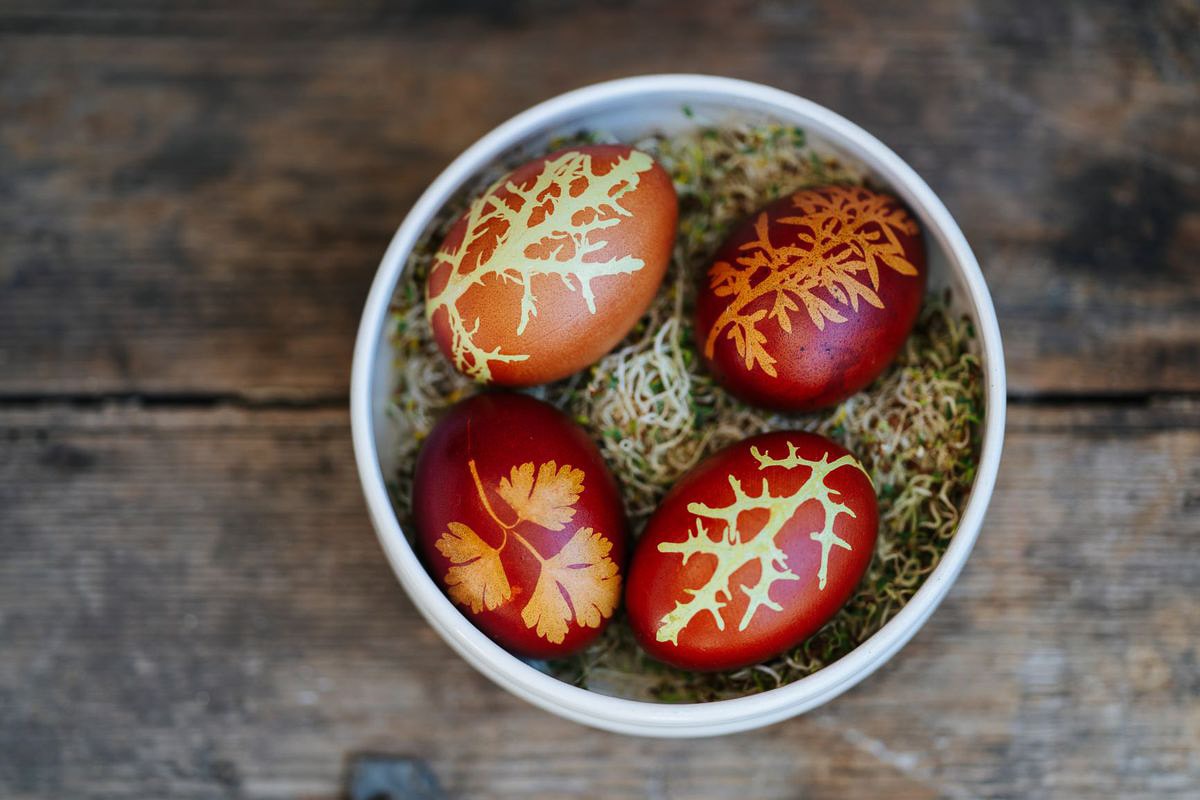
(655, 413)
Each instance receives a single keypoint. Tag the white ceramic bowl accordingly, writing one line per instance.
(631, 109)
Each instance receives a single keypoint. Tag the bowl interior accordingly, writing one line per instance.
(630, 121)
(631, 110)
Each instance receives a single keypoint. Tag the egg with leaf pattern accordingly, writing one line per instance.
(552, 265)
(520, 521)
(751, 552)
(812, 297)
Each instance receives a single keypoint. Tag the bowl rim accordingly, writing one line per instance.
(643, 717)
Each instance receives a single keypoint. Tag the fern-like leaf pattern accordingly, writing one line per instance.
(828, 265)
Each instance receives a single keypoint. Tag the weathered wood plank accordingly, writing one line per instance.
(194, 199)
(192, 605)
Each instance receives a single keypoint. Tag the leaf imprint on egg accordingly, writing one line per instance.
(831, 259)
(733, 550)
(545, 226)
(579, 582)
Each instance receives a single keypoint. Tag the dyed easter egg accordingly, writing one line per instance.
(751, 552)
(551, 266)
(520, 521)
(812, 297)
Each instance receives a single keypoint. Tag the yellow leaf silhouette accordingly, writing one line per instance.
(847, 232)
(582, 573)
(732, 551)
(547, 500)
(477, 579)
(553, 225)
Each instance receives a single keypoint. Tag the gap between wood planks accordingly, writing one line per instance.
(270, 402)
(201, 398)
(1164, 407)
(173, 400)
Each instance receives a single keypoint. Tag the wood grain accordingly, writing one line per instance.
(193, 198)
(192, 605)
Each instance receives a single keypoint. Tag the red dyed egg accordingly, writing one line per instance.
(812, 297)
(551, 266)
(751, 552)
(521, 522)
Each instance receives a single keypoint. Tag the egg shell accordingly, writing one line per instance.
(551, 266)
(503, 483)
(812, 297)
(797, 501)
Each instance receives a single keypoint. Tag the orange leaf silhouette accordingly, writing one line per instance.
(547, 500)
(831, 258)
(477, 579)
(580, 581)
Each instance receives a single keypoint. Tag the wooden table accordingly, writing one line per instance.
(193, 201)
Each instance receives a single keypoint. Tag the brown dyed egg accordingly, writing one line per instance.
(520, 521)
(751, 552)
(812, 297)
(551, 266)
